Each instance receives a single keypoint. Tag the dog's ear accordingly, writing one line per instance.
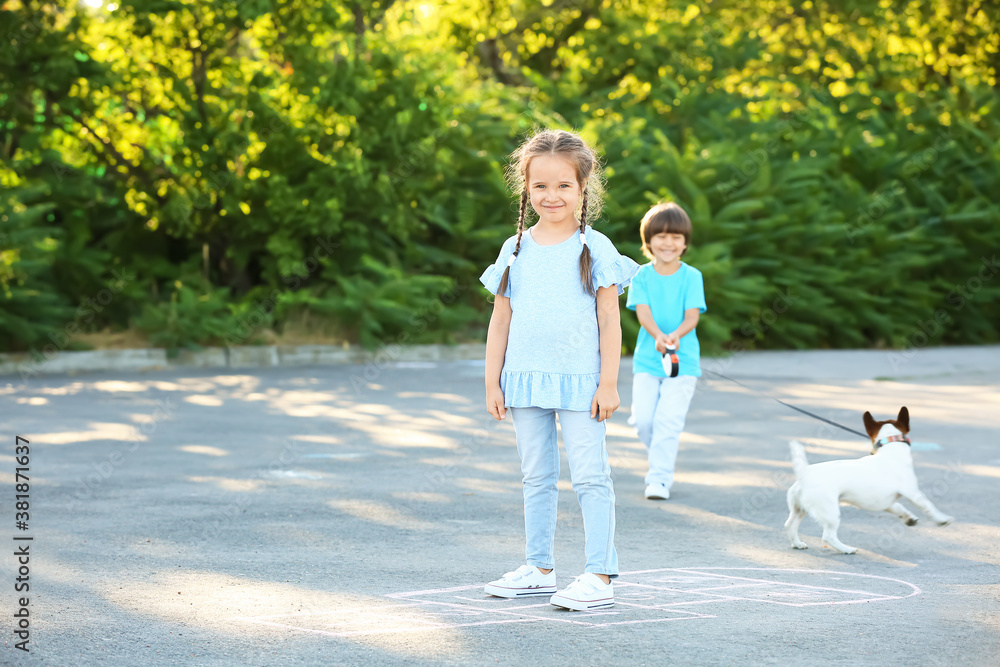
(871, 427)
(903, 420)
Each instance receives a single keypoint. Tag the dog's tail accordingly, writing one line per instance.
(799, 462)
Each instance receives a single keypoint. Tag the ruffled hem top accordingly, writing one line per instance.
(553, 355)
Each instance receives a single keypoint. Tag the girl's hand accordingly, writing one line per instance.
(605, 402)
(495, 403)
(673, 340)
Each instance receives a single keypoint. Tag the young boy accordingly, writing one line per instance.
(668, 296)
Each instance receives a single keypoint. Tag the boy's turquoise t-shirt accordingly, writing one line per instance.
(667, 297)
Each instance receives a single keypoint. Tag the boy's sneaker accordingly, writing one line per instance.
(525, 581)
(585, 593)
(657, 492)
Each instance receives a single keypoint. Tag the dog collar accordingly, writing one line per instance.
(890, 438)
(671, 362)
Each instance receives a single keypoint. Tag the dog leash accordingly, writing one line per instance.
(789, 405)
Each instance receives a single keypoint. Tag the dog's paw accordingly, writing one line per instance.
(912, 521)
(947, 520)
(800, 545)
(844, 549)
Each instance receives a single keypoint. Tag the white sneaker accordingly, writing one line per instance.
(585, 593)
(525, 581)
(657, 492)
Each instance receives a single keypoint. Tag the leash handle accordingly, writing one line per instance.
(671, 362)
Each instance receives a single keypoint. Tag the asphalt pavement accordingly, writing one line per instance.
(351, 514)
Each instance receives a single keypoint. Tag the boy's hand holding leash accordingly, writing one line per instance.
(605, 402)
(663, 341)
(666, 344)
(495, 403)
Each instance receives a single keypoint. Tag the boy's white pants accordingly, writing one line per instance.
(659, 407)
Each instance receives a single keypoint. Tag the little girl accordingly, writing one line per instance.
(667, 296)
(553, 348)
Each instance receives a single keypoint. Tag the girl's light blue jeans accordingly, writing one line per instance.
(590, 471)
(659, 407)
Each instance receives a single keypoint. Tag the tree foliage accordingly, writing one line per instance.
(250, 164)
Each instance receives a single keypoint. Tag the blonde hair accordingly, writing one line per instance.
(588, 174)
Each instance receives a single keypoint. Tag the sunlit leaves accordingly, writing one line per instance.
(324, 151)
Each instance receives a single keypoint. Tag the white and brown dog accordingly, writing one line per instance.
(874, 483)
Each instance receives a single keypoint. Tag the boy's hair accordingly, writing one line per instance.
(588, 174)
(666, 218)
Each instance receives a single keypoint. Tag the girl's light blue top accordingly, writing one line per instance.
(553, 355)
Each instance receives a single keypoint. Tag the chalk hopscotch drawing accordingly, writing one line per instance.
(647, 596)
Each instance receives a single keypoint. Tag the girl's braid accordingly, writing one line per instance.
(585, 257)
(517, 246)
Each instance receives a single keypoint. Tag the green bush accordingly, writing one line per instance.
(33, 312)
(345, 164)
(189, 319)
